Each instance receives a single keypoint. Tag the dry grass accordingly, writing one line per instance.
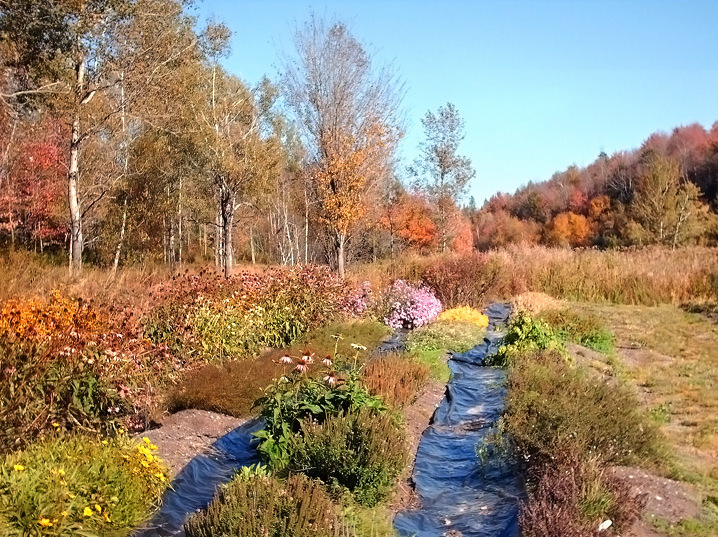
(395, 378)
(647, 276)
(672, 357)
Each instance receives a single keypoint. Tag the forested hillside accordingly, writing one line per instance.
(664, 192)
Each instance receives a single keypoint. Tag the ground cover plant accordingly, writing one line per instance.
(79, 485)
(396, 378)
(359, 451)
(582, 328)
(263, 505)
(232, 386)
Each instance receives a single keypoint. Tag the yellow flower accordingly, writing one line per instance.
(64, 513)
(160, 475)
(107, 518)
(87, 512)
(46, 522)
(98, 508)
(71, 495)
(55, 424)
(18, 467)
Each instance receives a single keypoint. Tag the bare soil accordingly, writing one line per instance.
(185, 434)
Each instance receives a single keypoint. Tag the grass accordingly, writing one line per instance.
(429, 344)
(646, 276)
(672, 357)
(582, 328)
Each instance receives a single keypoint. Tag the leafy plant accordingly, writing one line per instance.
(292, 399)
(360, 451)
(262, 505)
(525, 335)
(79, 485)
(584, 329)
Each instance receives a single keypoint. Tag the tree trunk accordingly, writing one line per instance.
(341, 239)
(251, 245)
(118, 250)
(73, 190)
(228, 218)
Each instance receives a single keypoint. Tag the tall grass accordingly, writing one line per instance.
(647, 276)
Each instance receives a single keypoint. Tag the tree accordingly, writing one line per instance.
(666, 210)
(442, 171)
(347, 111)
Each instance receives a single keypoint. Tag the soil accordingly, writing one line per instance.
(185, 434)
(666, 500)
(418, 417)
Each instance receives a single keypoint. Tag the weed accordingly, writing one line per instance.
(582, 328)
(395, 378)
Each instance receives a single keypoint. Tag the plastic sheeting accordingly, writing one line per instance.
(459, 496)
(196, 484)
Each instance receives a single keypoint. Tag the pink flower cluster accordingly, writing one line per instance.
(410, 306)
(358, 300)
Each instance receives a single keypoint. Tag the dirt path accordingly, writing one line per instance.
(185, 434)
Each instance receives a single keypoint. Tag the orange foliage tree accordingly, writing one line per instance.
(569, 229)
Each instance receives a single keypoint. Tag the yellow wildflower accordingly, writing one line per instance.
(64, 513)
(18, 467)
(55, 424)
(106, 516)
(87, 512)
(71, 495)
(98, 508)
(46, 522)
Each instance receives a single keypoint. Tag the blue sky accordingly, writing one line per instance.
(541, 84)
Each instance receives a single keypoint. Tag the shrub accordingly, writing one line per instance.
(266, 506)
(216, 317)
(395, 378)
(554, 408)
(576, 496)
(525, 335)
(464, 279)
(408, 306)
(292, 399)
(584, 329)
(79, 485)
(465, 314)
(359, 451)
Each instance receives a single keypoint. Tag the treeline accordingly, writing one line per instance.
(665, 192)
(122, 140)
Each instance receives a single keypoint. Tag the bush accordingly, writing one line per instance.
(407, 306)
(215, 317)
(79, 485)
(584, 329)
(464, 279)
(576, 496)
(266, 506)
(290, 400)
(524, 336)
(395, 378)
(553, 409)
(360, 451)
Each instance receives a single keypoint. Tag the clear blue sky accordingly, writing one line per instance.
(541, 84)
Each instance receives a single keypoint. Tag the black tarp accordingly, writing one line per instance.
(196, 484)
(459, 495)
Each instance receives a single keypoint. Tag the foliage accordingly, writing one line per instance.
(79, 485)
(359, 451)
(64, 361)
(465, 314)
(408, 306)
(553, 407)
(292, 399)
(396, 378)
(462, 279)
(266, 506)
(239, 316)
(525, 335)
(584, 329)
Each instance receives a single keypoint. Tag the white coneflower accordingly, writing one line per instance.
(327, 361)
(286, 359)
(330, 379)
(358, 347)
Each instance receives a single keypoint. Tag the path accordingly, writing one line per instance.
(458, 496)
